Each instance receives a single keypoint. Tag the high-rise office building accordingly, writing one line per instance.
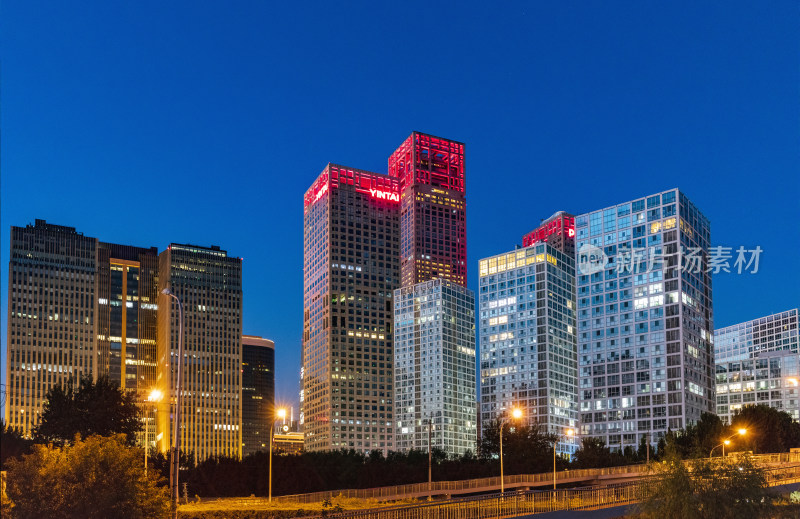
(209, 284)
(52, 325)
(350, 267)
(433, 216)
(527, 338)
(558, 231)
(757, 363)
(127, 295)
(645, 319)
(258, 392)
(433, 245)
(743, 341)
(434, 367)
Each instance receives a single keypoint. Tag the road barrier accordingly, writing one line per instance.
(438, 488)
(513, 504)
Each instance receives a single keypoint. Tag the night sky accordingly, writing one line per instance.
(146, 123)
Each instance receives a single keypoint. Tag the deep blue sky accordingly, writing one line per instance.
(204, 122)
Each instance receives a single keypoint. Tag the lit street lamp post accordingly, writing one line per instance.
(176, 437)
(516, 414)
(430, 460)
(280, 414)
(727, 441)
(154, 397)
(570, 433)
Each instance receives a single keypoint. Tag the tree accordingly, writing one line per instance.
(14, 444)
(710, 490)
(593, 453)
(707, 433)
(768, 429)
(97, 477)
(92, 408)
(526, 448)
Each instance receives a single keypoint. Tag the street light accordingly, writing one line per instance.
(280, 414)
(516, 414)
(176, 438)
(727, 441)
(570, 433)
(430, 459)
(155, 396)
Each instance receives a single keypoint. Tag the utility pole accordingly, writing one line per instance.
(176, 436)
(430, 460)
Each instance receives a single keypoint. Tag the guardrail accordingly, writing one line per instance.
(477, 485)
(514, 504)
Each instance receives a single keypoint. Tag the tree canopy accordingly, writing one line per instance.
(14, 444)
(768, 429)
(526, 448)
(98, 477)
(90, 408)
(710, 490)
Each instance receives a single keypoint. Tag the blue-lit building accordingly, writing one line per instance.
(645, 318)
(434, 367)
(527, 338)
(757, 362)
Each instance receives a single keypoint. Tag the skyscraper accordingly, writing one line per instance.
(645, 318)
(433, 216)
(527, 338)
(435, 382)
(558, 231)
(434, 367)
(258, 392)
(127, 315)
(757, 362)
(350, 267)
(209, 284)
(52, 325)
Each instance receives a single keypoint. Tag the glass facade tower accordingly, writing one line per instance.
(433, 245)
(757, 363)
(434, 367)
(258, 392)
(645, 318)
(433, 212)
(527, 338)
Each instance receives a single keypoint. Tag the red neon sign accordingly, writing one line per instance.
(561, 224)
(384, 195)
(321, 191)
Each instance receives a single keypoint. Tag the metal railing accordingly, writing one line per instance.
(514, 504)
(485, 484)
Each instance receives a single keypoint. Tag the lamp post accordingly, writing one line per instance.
(568, 432)
(727, 441)
(430, 460)
(154, 397)
(280, 414)
(515, 414)
(176, 437)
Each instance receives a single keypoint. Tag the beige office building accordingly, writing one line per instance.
(209, 284)
(52, 303)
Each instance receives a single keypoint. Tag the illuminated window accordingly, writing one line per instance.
(655, 227)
